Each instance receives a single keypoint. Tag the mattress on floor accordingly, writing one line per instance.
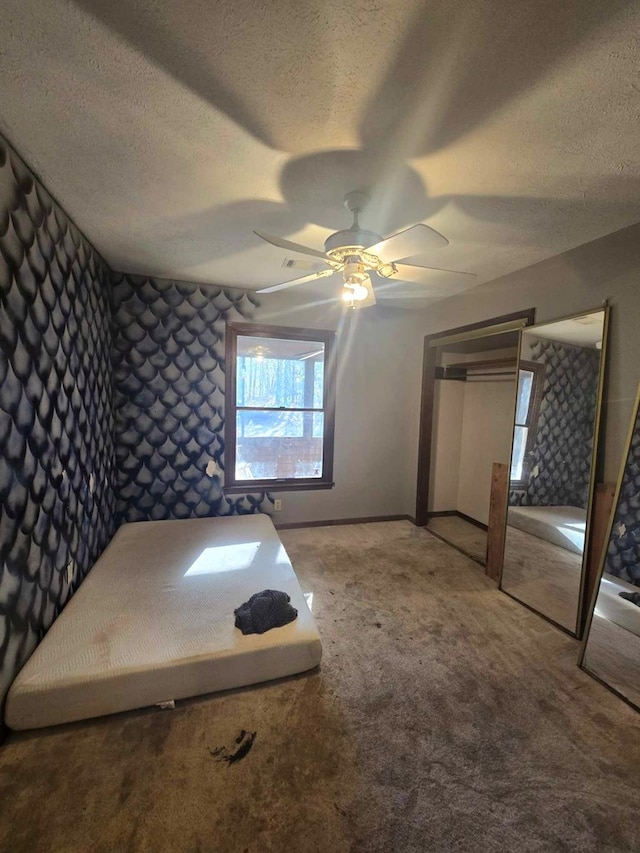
(610, 604)
(153, 621)
(560, 525)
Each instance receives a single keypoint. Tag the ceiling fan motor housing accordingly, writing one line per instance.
(358, 238)
(353, 237)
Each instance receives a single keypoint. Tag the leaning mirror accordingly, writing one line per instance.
(555, 434)
(611, 650)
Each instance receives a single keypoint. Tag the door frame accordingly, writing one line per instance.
(494, 325)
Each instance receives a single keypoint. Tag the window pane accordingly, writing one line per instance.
(270, 382)
(272, 445)
(519, 447)
(318, 383)
(275, 372)
(525, 384)
(265, 424)
(318, 424)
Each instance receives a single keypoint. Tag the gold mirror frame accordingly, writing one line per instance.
(603, 558)
(593, 468)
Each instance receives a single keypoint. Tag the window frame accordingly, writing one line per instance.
(321, 336)
(538, 369)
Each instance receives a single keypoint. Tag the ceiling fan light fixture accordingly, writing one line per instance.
(354, 272)
(354, 292)
(387, 270)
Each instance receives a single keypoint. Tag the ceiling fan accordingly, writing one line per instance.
(364, 257)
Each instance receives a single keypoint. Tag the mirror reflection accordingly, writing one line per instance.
(612, 648)
(550, 488)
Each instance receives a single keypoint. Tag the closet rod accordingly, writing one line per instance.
(484, 364)
(495, 373)
(489, 380)
(461, 378)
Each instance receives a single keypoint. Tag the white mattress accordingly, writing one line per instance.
(154, 621)
(560, 525)
(610, 605)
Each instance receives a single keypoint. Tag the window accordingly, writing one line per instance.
(280, 402)
(529, 396)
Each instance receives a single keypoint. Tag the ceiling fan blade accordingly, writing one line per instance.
(296, 281)
(433, 276)
(413, 241)
(396, 288)
(281, 243)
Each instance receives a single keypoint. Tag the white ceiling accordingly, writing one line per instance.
(169, 131)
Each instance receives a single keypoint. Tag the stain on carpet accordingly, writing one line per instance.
(242, 747)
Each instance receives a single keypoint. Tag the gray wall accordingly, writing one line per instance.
(378, 384)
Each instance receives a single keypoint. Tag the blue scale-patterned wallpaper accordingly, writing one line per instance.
(561, 462)
(111, 406)
(169, 354)
(56, 423)
(623, 552)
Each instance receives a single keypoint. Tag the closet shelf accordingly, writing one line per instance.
(487, 364)
(488, 367)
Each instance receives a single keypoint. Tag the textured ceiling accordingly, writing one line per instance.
(169, 131)
(582, 332)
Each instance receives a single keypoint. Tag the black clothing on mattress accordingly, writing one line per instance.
(633, 597)
(265, 610)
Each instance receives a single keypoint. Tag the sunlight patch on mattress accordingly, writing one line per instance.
(574, 533)
(223, 558)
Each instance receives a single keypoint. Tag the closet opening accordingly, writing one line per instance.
(468, 399)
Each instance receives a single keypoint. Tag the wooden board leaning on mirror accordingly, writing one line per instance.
(611, 649)
(556, 427)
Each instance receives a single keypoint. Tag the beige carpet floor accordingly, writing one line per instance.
(445, 717)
